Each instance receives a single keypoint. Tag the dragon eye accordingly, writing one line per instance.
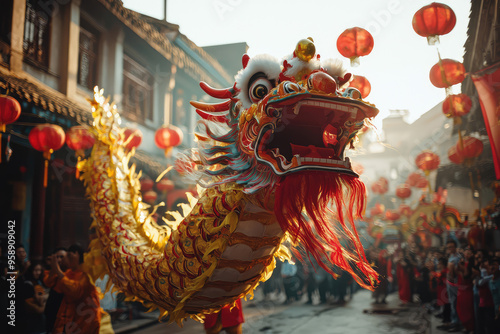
(259, 89)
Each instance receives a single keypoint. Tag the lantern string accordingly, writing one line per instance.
(77, 169)
(443, 74)
(18, 134)
(45, 172)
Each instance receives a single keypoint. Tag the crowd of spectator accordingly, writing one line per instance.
(52, 296)
(457, 283)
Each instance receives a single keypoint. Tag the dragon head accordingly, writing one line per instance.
(284, 126)
(289, 116)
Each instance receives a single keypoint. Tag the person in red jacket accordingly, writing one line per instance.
(80, 311)
(439, 278)
(403, 268)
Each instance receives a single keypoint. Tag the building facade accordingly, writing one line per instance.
(52, 54)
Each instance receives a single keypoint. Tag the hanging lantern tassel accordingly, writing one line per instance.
(427, 176)
(46, 156)
(168, 151)
(448, 89)
(3, 128)
(460, 141)
(77, 173)
(79, 154)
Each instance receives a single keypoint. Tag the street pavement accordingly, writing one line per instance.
(355, 317)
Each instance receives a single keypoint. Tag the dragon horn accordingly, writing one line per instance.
(244, 60)
(211, 117)
(212, 107)
(225, 93)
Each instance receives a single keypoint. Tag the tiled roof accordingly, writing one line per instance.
(56, 102)
(161, 44)
(44, 97)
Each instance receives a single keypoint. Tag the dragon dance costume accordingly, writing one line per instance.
(271, 161)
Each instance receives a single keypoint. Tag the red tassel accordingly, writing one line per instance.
(324, 233)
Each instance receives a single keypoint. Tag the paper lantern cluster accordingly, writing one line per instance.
(163, 186)
(354, 43)
(432, 21)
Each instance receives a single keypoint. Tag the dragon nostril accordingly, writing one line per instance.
(322, 82)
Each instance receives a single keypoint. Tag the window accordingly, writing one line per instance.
(5, 30)
(137, 91)
(87, 56)
(36, 35)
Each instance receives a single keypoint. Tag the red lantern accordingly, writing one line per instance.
(165, 185)
(10, 110)
(362, 84)
(455, 155)
(403, 191)
(392, 215)
(427, 161)
(446, 73)
(381, 186)
(404, 210)
(146, 184)
(150, 197)
(46, 138)
(433, 20)
(413, 179)
(457, 105)
(422, 183)
(167, 137)
(375, 187)
(377, 210)
(354, 43)
(79, 139)
(132, 138)
(472, 147)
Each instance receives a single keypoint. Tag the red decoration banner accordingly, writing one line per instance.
(487, 83)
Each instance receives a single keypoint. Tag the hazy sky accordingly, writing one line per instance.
(397, 68)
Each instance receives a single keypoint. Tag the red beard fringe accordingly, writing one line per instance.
(317, 193)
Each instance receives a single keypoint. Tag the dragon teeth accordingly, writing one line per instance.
(346, 163)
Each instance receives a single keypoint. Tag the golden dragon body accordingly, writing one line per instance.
(254, 195)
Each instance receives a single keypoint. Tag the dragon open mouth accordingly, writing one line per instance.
(311, 134)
